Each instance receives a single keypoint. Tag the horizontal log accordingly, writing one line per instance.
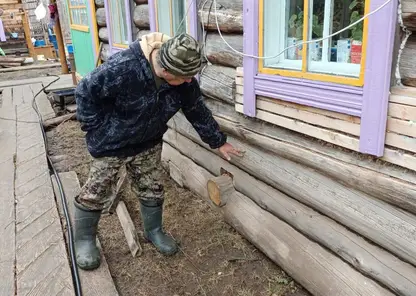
(219, 53)
(218, 82)
(408, 5)
(103, 34)
(229, 16)
(9, 65)
(393, 191)
(286, 136)
(141, 16)
(58, 120)
(100, 16)
(407, 62)
(141, 1)
(105, 52)
(409, 20)
(315, 268)
(31, 67)
(141, 33)
(380, 222)
(99, 3)
(224, 4)
(11, 60)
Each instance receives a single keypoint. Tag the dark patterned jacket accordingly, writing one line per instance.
(123, 113)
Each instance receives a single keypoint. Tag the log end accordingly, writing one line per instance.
(219, 189)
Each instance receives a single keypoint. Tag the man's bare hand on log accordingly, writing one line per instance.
(228, 149)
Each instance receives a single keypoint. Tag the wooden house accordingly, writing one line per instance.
(13, 17)
(327, 185)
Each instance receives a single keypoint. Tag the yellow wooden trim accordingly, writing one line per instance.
(120, 45)
(171, 18)
(156, 16)
(313, 76)
(261, 35)
(365, 41)
(78, 7)
(305, 36)
(80, 28)
(303, 73)
(95, 29)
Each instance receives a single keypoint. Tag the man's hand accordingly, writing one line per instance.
(227, 149)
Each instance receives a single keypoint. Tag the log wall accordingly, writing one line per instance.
(302, 169)
(140, 17)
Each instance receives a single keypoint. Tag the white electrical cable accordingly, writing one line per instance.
(296, 45)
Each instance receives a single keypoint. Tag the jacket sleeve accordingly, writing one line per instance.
(201, 117)
(91, 96)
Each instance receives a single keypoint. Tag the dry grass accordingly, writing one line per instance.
(214, 259)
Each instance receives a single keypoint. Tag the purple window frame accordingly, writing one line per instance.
(114, 49)
(369, 102)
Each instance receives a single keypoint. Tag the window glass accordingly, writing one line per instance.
(283, 24)
(163, 16)
(119, 31)
(283, 27)
(78, 11)
(178, 15)
(340, 54)
(170, 16)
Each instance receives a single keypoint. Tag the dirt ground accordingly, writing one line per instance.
(213, 259)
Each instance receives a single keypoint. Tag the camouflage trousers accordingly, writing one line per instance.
(144, 170)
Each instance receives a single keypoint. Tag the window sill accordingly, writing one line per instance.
(328, 96)
(121, 46)
(347, 70)
(81, 28)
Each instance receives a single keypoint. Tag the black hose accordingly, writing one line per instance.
(74, 267)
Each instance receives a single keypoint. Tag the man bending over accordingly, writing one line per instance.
(124, 106)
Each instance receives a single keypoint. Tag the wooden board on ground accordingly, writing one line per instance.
(94, 283)
(129, 229)
(42, 266)
(7, 226)
(33, 67)
(42, 102)
(67, 78)
(71, 108)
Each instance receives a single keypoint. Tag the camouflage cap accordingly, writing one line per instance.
(181, 55)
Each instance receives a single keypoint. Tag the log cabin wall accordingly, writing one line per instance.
(302, 174)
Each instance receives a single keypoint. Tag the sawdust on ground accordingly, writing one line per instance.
(214, 259)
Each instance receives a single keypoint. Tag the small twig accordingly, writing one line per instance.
(188, 257)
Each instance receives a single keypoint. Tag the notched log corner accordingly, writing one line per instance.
(220, 188)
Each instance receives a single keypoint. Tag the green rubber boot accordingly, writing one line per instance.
(151, 212)
(86, 224)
